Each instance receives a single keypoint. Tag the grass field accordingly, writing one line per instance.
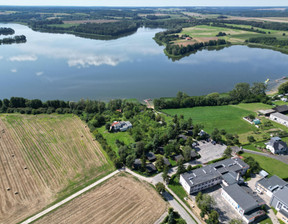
(234, 36)
(121, 199)
(272, 166)
(221, 117)
(111, 138)
(43, 158)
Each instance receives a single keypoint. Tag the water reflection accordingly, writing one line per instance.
(61, 66)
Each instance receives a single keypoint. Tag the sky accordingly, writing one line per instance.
(146, 2)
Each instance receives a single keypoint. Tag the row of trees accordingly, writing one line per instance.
(180, 50)
(6, 31)
(271, 41)
(12, 40)
(242, 92)
(238, 28)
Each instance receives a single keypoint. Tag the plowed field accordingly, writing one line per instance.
(42, 158)
(122, 199)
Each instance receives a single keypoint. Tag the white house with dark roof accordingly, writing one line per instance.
(277, 146)
(211, 175)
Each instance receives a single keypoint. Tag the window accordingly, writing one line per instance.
(279, 205)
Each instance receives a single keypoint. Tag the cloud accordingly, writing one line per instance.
(94, 61)
(39, 73)
(14, 70)
(21, 58)
(1, 57)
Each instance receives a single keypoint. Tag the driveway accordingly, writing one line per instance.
(209, 152)
(281, 158)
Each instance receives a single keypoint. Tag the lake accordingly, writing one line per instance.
(62, 66)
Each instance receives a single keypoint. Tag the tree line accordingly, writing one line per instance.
(6, 31)
(271, 41)
(238, 28)
(242, 92)
(12, 40)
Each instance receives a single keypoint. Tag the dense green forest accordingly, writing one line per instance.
(271, 41)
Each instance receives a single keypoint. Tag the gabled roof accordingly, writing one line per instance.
(179, 157)
(150, 168)
(281, 116)
(282, 195)
(281, 109)
(150, 156)
(277, 144)
(166, 161)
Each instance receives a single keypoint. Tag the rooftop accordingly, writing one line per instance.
(281, 109)
(281, 116)
(272, 183)
(209, 172)
(241, 197)
(282, 194)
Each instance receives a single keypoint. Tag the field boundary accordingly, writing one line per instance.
(48, 210)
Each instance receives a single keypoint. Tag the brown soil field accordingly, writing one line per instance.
(42, 158)
(90, 21)
(205, 39)
(122, 199)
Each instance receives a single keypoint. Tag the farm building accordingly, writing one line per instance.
(244, 202)
(120, 126)
(270, 185)
(211, 175)
(277, 146)
(266, 112)
(279, 118)
(281, 109)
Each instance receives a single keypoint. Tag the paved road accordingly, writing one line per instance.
(283, 158)
(37, 216)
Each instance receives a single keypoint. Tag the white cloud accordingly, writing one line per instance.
(21, 58)
(1, 57)
(39, 73)
(14, 70)
(94, 61)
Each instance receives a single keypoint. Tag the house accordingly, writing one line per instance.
(190, 132)
(270, 185)
(160, 150)
(284, 99)
(120, 126)
(279, 201)
(244, 202)
(266, 112)
(193, 154)
(279, 118)
(166, 161)
(150, 168)
(281, 109)
(182, 137)
(150, 156)
(202, 133)
(263, 173)
(178, 158)
(188, 38)
(277, 146)
(211, 175)
(137, 164)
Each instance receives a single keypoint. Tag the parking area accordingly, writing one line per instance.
(209, 152)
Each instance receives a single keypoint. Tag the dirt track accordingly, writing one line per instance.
(122, 199)
(40, 156)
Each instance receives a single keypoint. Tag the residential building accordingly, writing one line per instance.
(279, 118)
(120, 126)
(270, 185)
(244, 202)
(266, 112)
(279, 201)
(277, 146)
(211, 175)
(150, 156)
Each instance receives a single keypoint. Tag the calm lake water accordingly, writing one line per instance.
(60, 66)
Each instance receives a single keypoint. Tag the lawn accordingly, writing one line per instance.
(112, 137)
(177, 188)
(228, 117)
(272, 166)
